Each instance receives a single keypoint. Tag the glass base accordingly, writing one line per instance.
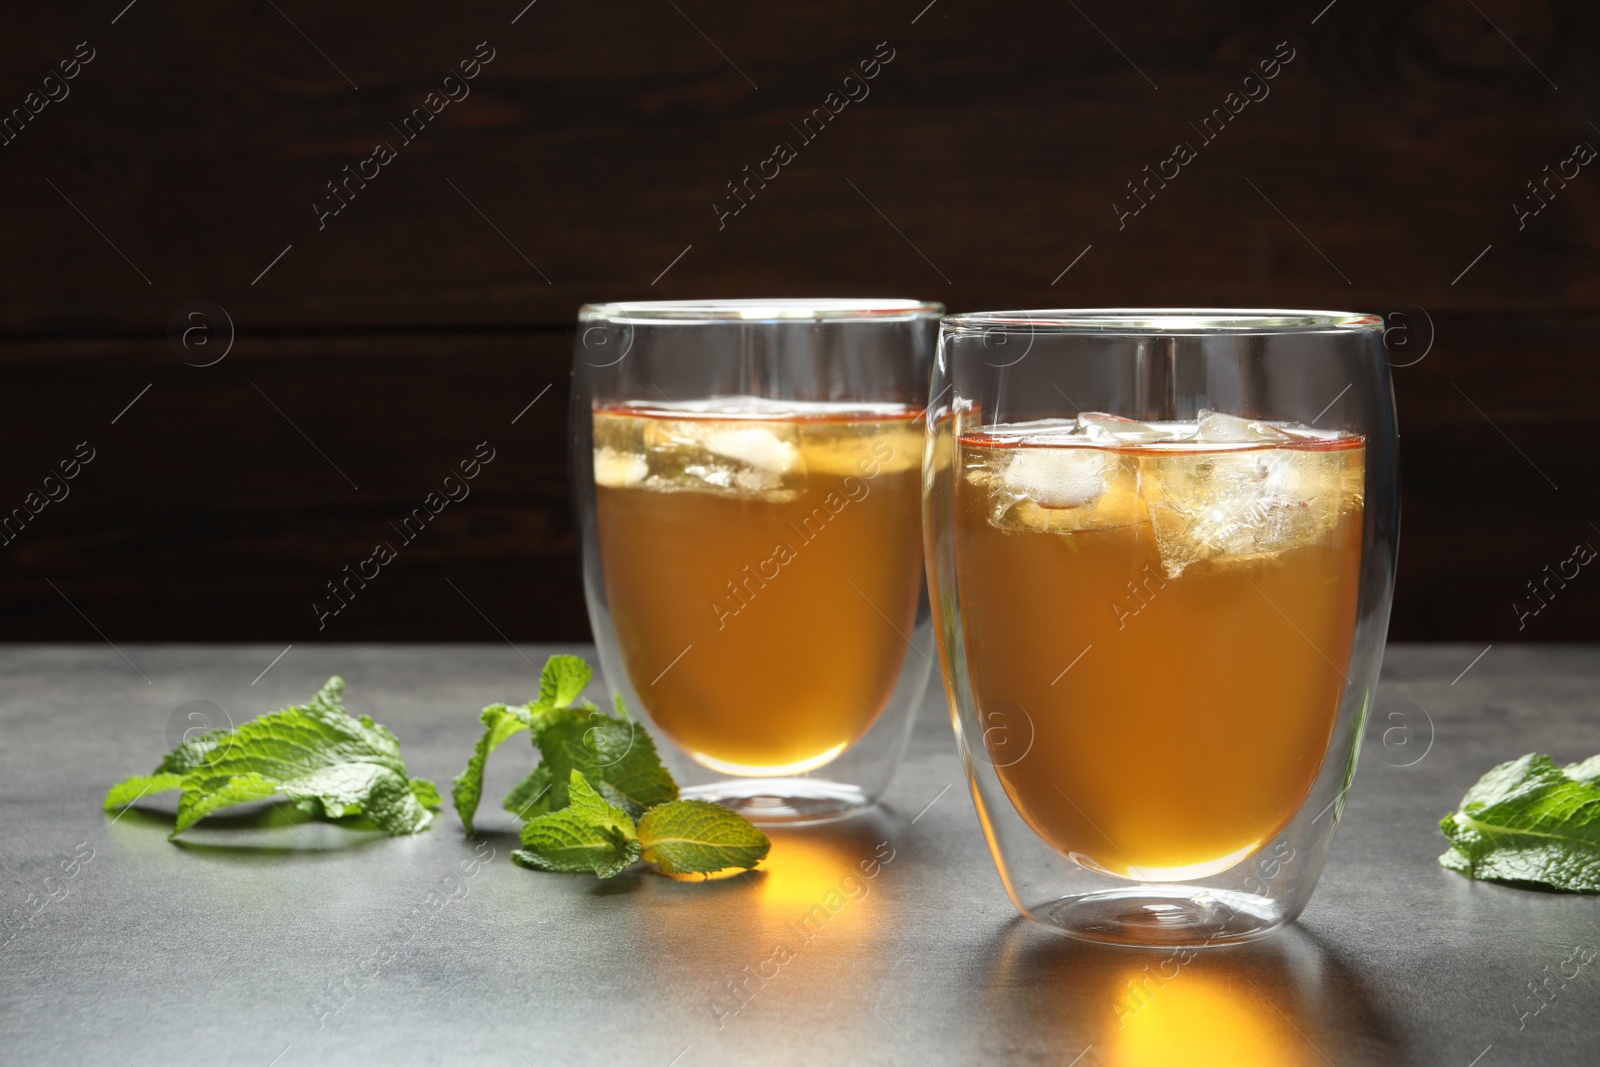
(784, 801)
(1163, 915)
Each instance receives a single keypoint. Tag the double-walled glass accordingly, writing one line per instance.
(1161, 547)
(748, 484)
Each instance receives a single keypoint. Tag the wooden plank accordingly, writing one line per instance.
(591, 150)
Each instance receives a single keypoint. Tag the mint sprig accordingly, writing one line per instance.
(597, 774)
(329, 764)
(1530, 821)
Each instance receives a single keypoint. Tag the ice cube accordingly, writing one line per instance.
(1217, 428)
(1239, 504)
(1058, 490)
(1057, 477)
(724, 456)
(616, 469)
(1103, 429)
(754, 446)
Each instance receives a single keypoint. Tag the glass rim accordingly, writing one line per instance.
(1165, 321)
(745, 310)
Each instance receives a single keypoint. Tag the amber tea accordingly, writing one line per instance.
(762, 565)
(1195, 586)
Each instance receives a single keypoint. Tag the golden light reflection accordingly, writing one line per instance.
(807, 916)
(1200, 1019)
(775, 770)
(811, 868)
(1279, 1002)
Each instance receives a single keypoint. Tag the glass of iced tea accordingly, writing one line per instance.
(748, 477)
(1161, 547)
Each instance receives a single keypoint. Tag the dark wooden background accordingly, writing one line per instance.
(586, 160)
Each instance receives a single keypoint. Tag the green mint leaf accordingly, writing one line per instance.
(500, 723)
(391, 803)
(587, 835)
(1530, 821)
(126, 792)
(698, 837)
(427, 793)
(560, 683)
(618, 758)
(315, 754)
(563, 679)
(194, 752)
(531, 797)
(1587, 772)
(203, 796)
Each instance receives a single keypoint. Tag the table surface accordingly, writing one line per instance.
(274, 942)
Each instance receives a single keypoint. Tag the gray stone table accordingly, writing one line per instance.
(269, 941)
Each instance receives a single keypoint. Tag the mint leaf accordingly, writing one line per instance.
(617, 757)
(563, 678)
(587, 835)
(195, 752)
(1587, 772)
(203, 796)
(698, 837)
(1530, 821)
(531, 797)
(315, 754)
(126, 792)
(501, 722)
(427, 793)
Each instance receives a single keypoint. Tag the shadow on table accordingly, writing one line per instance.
(1286, 1000)
(268, 830)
